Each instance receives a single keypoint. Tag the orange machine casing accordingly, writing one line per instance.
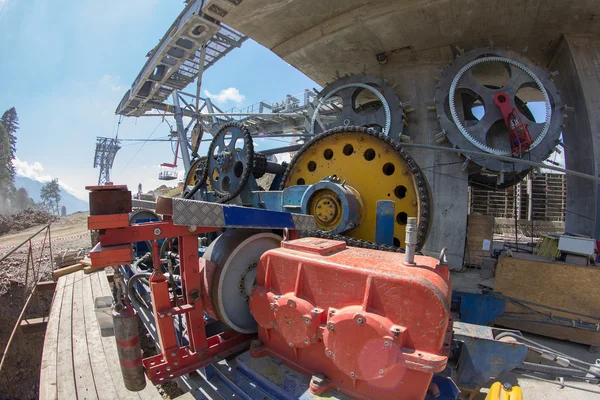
(361, 321)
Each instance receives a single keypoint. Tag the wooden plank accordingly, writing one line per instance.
(46, 286)
(564, 286)
(109, 346)
(150, 392)
(65, 377)
(86, 261)
(84, 379)
(104, 384)
(480, 228)
(33, 325)
(67, 270)
(48, 376)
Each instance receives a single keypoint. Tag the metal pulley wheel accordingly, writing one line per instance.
(471, 121)
(230, 160)
(376, 168)
(359, 100)
(236, 254)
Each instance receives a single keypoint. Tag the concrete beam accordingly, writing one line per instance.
(577, 60)
(322, 37)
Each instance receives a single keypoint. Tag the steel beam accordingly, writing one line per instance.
(185, 154)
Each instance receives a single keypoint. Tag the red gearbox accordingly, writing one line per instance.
(361, 321)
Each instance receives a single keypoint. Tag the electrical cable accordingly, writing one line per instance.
(133, 295)
(562, 384)
(140, 149)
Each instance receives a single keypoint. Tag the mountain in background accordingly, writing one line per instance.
(33, 187)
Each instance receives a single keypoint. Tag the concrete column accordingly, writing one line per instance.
(578, 62)
(414, 73)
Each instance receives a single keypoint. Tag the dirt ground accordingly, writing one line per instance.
(20, 374)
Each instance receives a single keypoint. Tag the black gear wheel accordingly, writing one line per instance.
(243, 160)
(260, 165)
(424, 193)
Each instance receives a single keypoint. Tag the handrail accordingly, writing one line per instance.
(36, 276)
(23, 242)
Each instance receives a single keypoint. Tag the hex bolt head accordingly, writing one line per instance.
(360, 321)
(329, 353)
(352, 374)
(174, 353)
(386, 343)
(381, 371)
(290, 344)
(291, 303)
(331, 327)
(157, 231)
(306, 341)
(307, 320)
(161, 315)
(168, 368)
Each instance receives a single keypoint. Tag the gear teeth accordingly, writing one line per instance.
(424, 194)
(248, 144)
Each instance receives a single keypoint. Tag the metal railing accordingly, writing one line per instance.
(31, 264)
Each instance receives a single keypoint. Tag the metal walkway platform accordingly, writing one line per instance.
(79, 360)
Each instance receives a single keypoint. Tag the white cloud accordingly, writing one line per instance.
(33, 171)
(36, 172)
(110, 82)
(229, 94)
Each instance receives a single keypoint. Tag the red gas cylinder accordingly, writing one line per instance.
(125, 324)
(361, 320)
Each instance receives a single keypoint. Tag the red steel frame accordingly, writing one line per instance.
(520, 138)
(173, 361)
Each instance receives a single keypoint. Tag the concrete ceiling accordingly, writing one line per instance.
(325, 37)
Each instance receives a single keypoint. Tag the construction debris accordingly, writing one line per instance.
(23, 220)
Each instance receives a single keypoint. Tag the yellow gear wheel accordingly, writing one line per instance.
(191, 178)
(372, 165)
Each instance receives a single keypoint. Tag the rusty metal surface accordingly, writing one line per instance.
(103, 202)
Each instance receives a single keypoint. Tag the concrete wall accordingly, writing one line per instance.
(414, 74)
(578, 62)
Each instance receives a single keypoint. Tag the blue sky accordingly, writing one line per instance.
(67, 64)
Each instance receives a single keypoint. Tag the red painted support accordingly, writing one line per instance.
(520, 138)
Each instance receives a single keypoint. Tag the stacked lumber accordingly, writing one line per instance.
(67, 258)
(68, 262)
(66, 270)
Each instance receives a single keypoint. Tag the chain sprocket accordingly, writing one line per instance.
(229, 167)
(422, 193)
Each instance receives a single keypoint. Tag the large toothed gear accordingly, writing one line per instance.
(466, 90)
(359, 100)
(371, 165)
(230, 161)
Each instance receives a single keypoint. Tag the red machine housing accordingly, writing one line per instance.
(360, 321)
